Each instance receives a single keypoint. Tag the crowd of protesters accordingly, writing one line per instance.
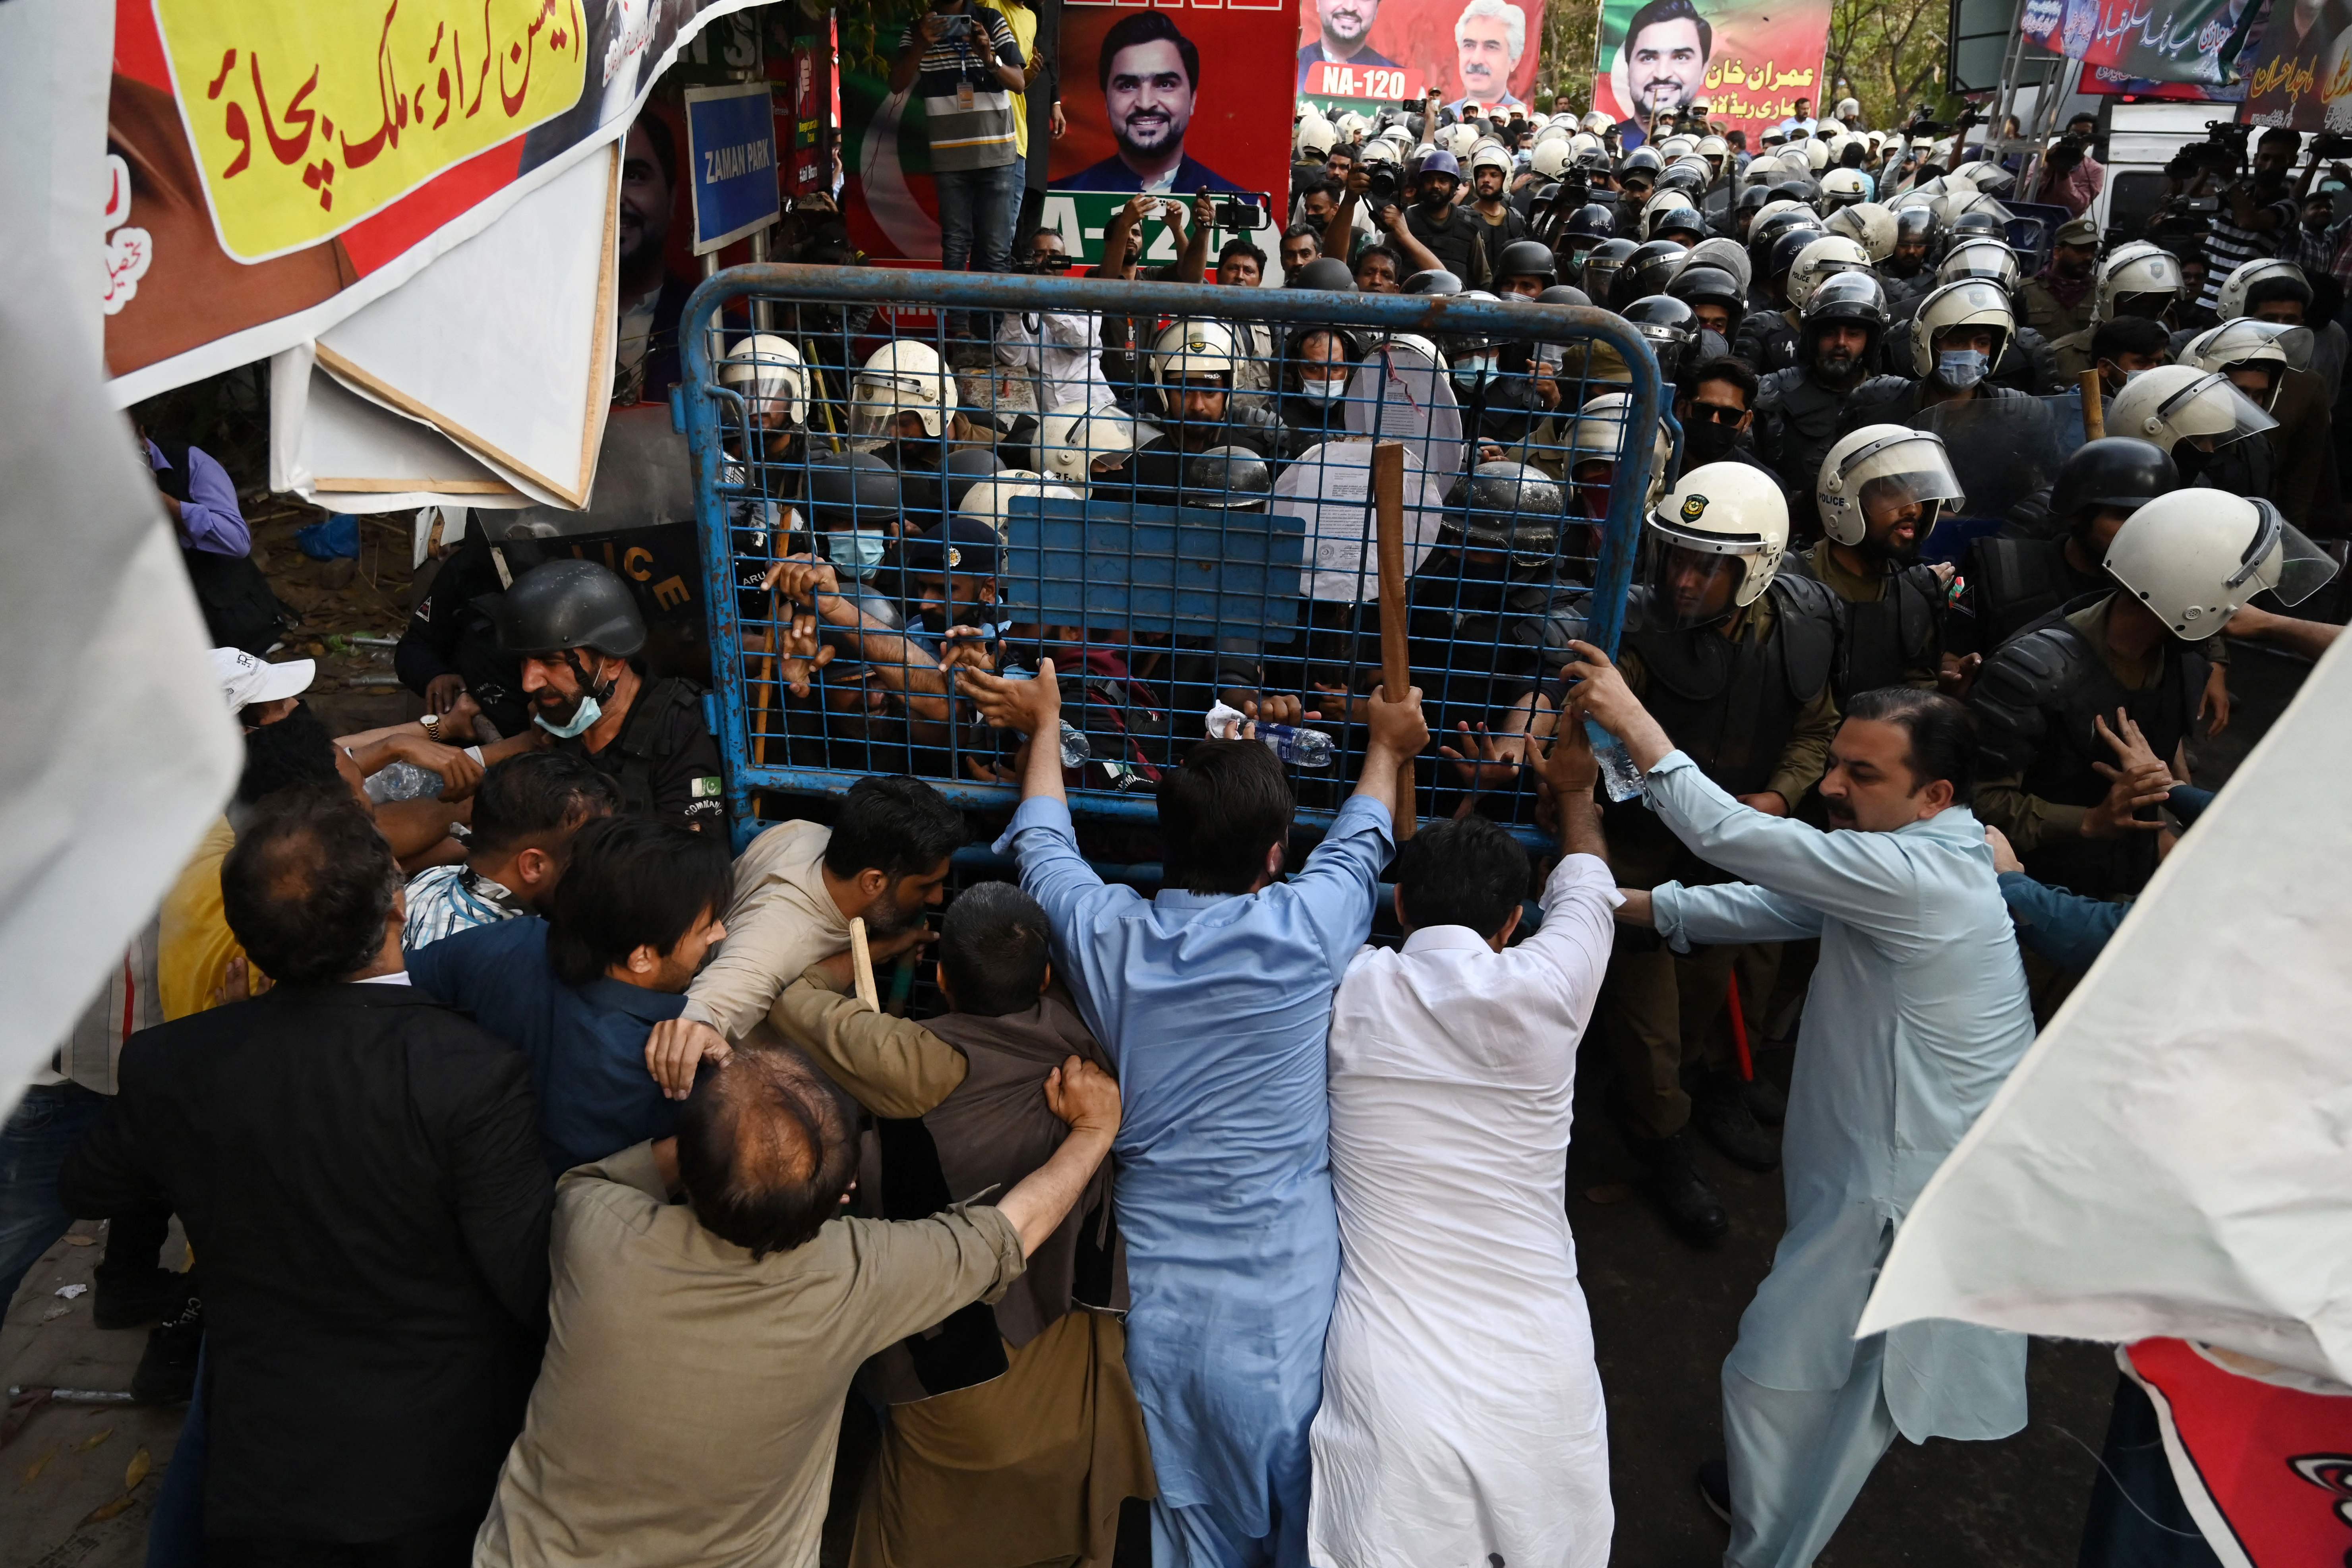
(554, 1181)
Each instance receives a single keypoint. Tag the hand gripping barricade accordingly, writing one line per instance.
(1196, 518)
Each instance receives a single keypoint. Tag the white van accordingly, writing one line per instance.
(2141, 139)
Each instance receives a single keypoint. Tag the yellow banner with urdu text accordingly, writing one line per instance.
(309, 115)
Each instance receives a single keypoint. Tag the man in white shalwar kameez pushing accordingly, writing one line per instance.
(1462, 1421)
(1916, 1013)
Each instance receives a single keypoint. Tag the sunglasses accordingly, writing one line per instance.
(1717, 414)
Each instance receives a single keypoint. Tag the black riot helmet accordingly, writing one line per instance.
(2120, 471)
(1601, 264)
(1563, 294)
(566, 605)
(1506, 506)
(1684, 177)
(1976, 225)
(1528, 258)
(1855, 296)
(1231, 479)
(1917, 225)
(848, 491)
(1703, 285)
(1669, 326)
(1787, 245)
(1641, 160)
(1764, 234)
(1591, 221)
(1797, 189)
(1431, 281)
(1645, 272)
(966, 466)
(1327, 272)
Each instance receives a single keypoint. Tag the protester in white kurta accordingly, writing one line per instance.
(1461, 1419)
(1916, 1013)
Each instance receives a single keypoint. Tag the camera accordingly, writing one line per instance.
(2331, 145)
(1244, 216)
(1382, 190)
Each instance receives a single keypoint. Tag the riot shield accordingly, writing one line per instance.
(1401, 392)
(1330, 487)
(2006, 451)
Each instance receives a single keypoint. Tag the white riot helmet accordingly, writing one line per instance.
(1078, 445)
(1723, 520)
(1538, 119)
(900, 377)
(2138, 268)
(1350, 125)
(991, 500)
(1193, 351)
(1675, 147)
(1884, 467)
(1970, 302)
(1461, 139)
(2194, 557)
(2273, 347)
(766, 371)
(1849, 110)
(1829, 127)
(1771, 208)
(1317, 136)
(1585, 141)
(1597, 122)
(1980, 257)
(1715, 148)
(1842, 188)
(1598, 432)
(1492, 156)
(2231, 303)
(1549, 158)
(1817, 153)
(1868, 224)
(1823, 259)
(2177, 403)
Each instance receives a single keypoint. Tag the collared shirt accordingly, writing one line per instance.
(666, 1341)
(2228, 248)
(1215, 1009)
(1063, 349)
(446, 900)
(968, 110)
(782, 920)
(210, 518)
(586, 1043)
(1462, 1413)
(1916, 1013)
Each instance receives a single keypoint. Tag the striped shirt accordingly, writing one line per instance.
(446, 900)
(2228, 248)
(125, 1005)
(984, 134)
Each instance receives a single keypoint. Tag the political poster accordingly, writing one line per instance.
(1176, 99)
(2155, 40)
(2298, 71)
(273, 165)
(1363, 54)
(1750, 63)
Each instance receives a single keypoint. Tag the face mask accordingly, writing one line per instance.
(1706, 441)
(1474, 368)
(581, 721)
(1322, 391)
(855, 554)
(1960, 369)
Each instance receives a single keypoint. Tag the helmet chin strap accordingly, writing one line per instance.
(604, 693)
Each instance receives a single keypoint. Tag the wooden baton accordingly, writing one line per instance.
(2095, 415)
(861, 965)
(1396, 672)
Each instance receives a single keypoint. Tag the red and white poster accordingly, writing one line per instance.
(1363, 52)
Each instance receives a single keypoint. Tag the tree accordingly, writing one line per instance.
(1889, 54)
(1571, 32)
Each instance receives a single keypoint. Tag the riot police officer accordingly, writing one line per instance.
(1960, 332)
(1878, 496)
(575, 630)
(2181, 566)
(2014, 582)
(1193, 369)
(1768, 338)
(1798, 408)
(2208, 425)
(1735, 659)
(450, 646)
(2135, 279)
(2026, 364)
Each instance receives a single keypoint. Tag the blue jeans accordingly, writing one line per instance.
(33, 1143)
(977, 210)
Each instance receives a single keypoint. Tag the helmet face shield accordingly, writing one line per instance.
(2294, 567)
(2211, 412)
(1903, 482)
(1694, 579)
(878, 397)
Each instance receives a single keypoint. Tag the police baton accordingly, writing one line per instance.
(2095, 414)
(1388, 522)
(861, 965)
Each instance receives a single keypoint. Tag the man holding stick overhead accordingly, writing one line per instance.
(1213, 1002)
(1916, 1016)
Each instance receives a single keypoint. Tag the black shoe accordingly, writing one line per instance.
(1714, 1480)
(167, 1372)
(1765, 1101)
(1721, 1112)
(136, 1297)
(1691, 1206)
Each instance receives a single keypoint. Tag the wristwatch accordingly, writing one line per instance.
(432, 725)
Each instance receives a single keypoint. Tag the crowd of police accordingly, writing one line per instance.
(1879, 470)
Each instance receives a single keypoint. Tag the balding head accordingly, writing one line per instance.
(765, 1151)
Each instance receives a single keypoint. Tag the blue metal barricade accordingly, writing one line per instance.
(1190, 520)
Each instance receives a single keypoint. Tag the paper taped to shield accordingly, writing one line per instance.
(2169, 1157)
(1401, 392)
(1330, 487)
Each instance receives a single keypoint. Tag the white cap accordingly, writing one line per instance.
(246, 680)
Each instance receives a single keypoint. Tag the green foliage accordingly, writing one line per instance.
(869, 32)
(1572, 30)
(1889, 54)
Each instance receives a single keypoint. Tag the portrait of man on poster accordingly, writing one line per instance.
(1150, 79)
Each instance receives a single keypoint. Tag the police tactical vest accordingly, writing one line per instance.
(666, 713)
(2017, 583)
(1887, 637)
(1731, 703)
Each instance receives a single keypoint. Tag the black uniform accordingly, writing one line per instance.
(1767, 339)
(2035, 701)
(665, 760)
(1457, 242)
(2011, 584)
(451, 632)
(1797, 419)
(1896, 639)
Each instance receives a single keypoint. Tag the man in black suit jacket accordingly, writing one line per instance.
(359, 1169)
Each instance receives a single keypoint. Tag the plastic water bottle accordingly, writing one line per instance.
(1299, 748)
(1619, 776)
(1074, 750)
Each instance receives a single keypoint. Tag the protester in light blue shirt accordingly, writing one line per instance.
(1213, 1000)
(1916, 1013)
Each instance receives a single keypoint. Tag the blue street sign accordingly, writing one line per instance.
(730, 136)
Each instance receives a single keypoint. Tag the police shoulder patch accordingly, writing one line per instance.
(1694, 506)
(707, 787)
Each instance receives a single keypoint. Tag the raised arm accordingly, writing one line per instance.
(892, 1067)
(1084, 1097)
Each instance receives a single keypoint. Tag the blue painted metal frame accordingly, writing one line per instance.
(1190, 572)
(698, 400)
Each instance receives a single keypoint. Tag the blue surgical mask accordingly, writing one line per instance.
(581, 722)
(856, 554)
(1321, 391)
(1961, 368)
(1472, 369)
